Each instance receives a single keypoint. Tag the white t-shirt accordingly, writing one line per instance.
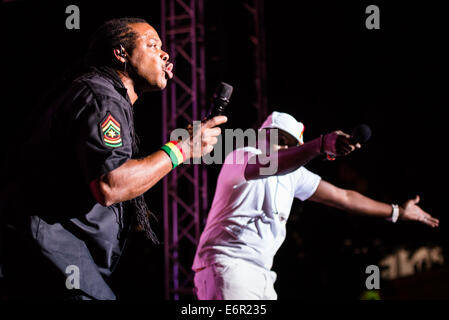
(247, 218)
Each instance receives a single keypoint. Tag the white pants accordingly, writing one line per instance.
(235, 279)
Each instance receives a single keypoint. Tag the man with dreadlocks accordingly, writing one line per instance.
(67, 212)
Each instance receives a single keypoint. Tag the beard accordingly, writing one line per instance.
(142, 83)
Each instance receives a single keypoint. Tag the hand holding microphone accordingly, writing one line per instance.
(338, 143)
(202, 141)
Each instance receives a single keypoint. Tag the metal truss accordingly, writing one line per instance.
(257, 37)
(185, 188)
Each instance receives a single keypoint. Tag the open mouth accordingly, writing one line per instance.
(168, 70)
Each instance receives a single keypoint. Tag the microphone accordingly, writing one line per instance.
(220, 99)
(361, 134)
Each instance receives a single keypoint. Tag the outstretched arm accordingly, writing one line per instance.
(354, 202)
(288, 160)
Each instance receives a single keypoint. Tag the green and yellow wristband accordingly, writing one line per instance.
(175, 153)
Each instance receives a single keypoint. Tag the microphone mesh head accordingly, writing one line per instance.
(223, 91)
(361, 133)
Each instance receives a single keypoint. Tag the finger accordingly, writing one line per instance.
(215, 121)
(211, 140)
(345, 139)
(343, 134)
(351, 144)
(435, 222)
(348, 140)
(416, 200)
(424, 220)
(432, 219)
(345, 148)
(429, 220)
(213, 132)
(351, 147)
(208, 149)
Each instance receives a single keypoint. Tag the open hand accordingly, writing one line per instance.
(411, 211)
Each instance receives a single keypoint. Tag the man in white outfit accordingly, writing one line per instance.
(246, 223)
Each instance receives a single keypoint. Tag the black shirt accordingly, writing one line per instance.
(53, 220)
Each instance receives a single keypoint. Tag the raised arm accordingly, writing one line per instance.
(354, 202)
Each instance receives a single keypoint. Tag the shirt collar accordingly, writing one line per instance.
(116, 81)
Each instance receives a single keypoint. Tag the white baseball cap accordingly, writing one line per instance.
(285, 122)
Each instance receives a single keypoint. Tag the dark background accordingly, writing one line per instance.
(326, 69)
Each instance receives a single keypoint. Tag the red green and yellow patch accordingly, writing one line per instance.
(110, 129)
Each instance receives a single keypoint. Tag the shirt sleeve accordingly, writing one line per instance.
(305, 182)
(104, 137)
(235, 164)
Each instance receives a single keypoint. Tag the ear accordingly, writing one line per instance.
(120, 55)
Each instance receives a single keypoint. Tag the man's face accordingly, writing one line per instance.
(286, 140)
(149, 64)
